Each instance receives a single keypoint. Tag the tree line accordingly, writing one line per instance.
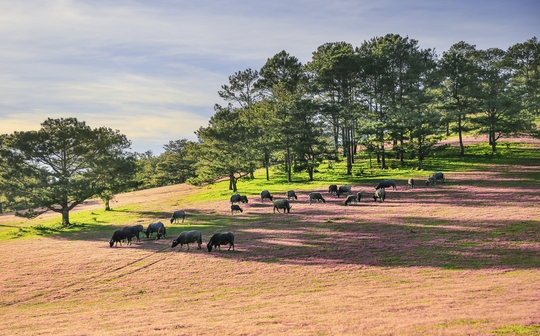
(386, 95)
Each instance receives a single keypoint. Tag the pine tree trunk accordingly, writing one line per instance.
(383, 158)
(461, 147)
(349, 152)
(267, 164)
(401, 150)
(336, 141)
(288, 163)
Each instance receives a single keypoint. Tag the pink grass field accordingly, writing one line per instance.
(458, 258)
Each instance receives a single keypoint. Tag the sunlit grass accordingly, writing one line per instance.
(518, 330)
(478, 157)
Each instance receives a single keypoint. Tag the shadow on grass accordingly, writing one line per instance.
(407, 241)
(323, 235)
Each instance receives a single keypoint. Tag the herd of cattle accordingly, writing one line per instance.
(218, 239)
(185, 237)
(333, 189)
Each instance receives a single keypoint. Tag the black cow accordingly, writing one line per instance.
(282, 204)
(315, 196)
(120, 235)
(291, 194)
(188, 237)
(219, 239)
(332, 189)
(265, 194)
(236, 198)
(177, 215)
(386, 184)
(135, 231)
(158, 228)
(235, 207)
(345, 189)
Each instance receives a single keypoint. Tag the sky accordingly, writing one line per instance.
(153, 69)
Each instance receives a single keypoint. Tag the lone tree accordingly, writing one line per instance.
(60, 166)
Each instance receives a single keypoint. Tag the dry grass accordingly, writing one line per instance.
(459, 258)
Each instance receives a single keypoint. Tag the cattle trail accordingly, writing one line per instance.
(106, 276)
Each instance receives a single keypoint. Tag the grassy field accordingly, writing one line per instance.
(458, 258)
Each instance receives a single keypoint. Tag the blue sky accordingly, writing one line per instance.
(152, 69)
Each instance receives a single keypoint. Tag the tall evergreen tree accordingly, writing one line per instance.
(223, 149)
(242, 92)
(460, 86)
(524, 58)
(175, 165)
(336, 76)
(500, 104)
(283, 81)
(379, 87)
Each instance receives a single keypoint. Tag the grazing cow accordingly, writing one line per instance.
(439, 176)
(235, 207)
(380, 194)
(317, 197)
(135, 231)
(188, 237)
(120, 235)
(434, 178)
(282, 204)
(178, 214)
(344, 190)
(265, 194)
(351, 199)
(236, 198)
(386, 184)
(158, 228)
(354, 198)
(410, 183)
(291, 194)
(332, 189)
(219, 239)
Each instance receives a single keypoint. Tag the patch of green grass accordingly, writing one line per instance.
(479, 157)
(39, 229)
(271, 260)
(468, 244)
(476, 158)
(517, 329)
(462, 322)
(522, 232)
(94, 221)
